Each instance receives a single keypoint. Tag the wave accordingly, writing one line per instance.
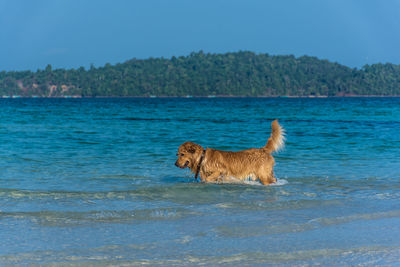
(73, 218)
(181, 193)
(209, 120)
(251, 231)
(224, 120)
(133, 255)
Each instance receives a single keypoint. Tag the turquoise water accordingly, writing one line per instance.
(93, 181)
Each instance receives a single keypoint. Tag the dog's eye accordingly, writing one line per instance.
(182, 155)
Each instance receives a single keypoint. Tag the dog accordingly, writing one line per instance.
(217, 165)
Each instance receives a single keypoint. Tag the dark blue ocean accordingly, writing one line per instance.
(93, 182)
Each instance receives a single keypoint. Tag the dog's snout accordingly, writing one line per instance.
(176, 164)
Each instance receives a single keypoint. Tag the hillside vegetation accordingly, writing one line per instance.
(201, 74)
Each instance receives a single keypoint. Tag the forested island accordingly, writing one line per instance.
(203, 74)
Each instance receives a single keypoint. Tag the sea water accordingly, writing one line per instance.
(93, 182)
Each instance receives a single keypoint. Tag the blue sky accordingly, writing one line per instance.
(72, 33)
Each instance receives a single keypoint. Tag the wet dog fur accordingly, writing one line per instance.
(217, 165)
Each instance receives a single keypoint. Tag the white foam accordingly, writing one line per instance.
(280, 182)
(251, 182)
(234, 180)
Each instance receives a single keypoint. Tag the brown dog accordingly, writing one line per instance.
(217, 165)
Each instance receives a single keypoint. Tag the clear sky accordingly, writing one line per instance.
(73, 33)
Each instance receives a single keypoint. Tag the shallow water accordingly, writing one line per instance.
(93, 181)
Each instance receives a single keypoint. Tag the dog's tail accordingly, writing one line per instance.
(277, 139)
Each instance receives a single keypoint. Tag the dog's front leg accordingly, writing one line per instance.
(213, 177)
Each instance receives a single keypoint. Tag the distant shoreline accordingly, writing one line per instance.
(235, 74)
(216, 96)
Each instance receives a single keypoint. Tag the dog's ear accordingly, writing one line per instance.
(191, 149)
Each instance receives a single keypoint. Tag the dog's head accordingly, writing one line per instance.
(189, 154)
